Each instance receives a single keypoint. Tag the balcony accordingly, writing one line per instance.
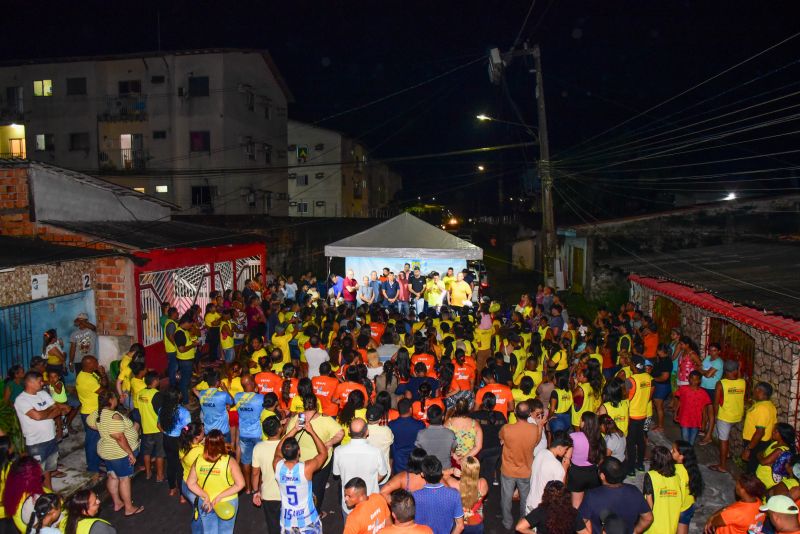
(124, 108)
(123, 159)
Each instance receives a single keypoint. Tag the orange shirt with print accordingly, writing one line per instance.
(741, 517)
(376, 331)
(463, 375)
(501, 392)
(421, 414)
(369, 516)
(414, 529)
(650, 345)
(324, 387)
(292, 392)
(343, 390)
(428, 360)
(268, 382)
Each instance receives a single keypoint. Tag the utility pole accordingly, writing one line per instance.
(548, 219)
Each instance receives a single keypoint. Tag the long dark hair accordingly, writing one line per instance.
(286, 387)
(788, 435)
(403, 364)
(43, 506)
(559, 512)
(662, 462)
(594, 376)
(384, 400)
(188, 435)
(446, 373)
(355, 401)
(171, 402)
(590, 427)
(690, 464)
(388, 373)
(612, 393)
(425, 391)
(76, 507)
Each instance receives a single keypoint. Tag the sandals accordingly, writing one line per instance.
(139, 510)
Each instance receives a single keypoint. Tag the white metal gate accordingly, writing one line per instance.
(223, 276)
(247, 268)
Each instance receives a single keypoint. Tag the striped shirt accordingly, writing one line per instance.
(107, 447)
(297, 499)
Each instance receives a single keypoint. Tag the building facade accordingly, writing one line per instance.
(203, 129)
(330, 175)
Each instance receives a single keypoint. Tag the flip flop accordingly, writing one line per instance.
(717, 469)
(139, 510)
(58, 474)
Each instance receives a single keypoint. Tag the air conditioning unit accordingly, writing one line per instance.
(319, 175)
(319, 203)
(292, 204)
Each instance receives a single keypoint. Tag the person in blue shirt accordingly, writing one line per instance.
(438, 506)
(712, 373)
(214, 403)
(375, 284)
(249, 404)
(420, 377)
(172, 418)
(389, 291)
(405, 429)
(337, 286)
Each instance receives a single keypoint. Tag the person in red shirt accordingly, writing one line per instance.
(502, 393)
(324, 387)
(342, 391)
(692, 400)
(369, 513)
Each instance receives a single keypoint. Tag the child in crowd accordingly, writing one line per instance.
(691, 400)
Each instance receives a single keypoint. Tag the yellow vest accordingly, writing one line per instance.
(218, 478)
(226, 343)
(3, 477)
(147, 412)
(169, 346)
(688, 498)
(564, 400)
(732, 408)
(190, 338)
(667, 502)
(543, 332)
(526, 339)
(587, 406)
(536, 376)
(85, 525)
(641, 397)
(764, 472)
(629, 343)
(562, 360)
(619, 414)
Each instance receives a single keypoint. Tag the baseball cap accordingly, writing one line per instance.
(648, 363)
(730, 366)
(374, 412)
(638, 362)
(780, 504)
(83, 315)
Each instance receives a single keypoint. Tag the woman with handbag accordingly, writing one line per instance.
(216, 480)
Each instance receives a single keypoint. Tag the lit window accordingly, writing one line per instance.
(45, 141)
(43, 88)
(162, 189)
(139, 189)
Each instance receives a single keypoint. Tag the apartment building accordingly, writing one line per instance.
(203, 129)
(330, 175)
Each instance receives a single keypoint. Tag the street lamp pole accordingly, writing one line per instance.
(548, 219)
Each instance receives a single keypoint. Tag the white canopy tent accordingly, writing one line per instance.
(403, 239)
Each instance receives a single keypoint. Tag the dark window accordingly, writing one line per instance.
(302, 207)
(282, 196)
(157, 79)
(76, 86)
(79, 141)
(319, 146)
(159, 134)
(129, 87)
(267, 153)
(251, 101)
(199, 141)
(202, 195)
(198, 86)
(45, 142)
(281, 154)
(302, 179)
(292, 176)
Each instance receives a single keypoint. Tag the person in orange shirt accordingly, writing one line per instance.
(288, 386)
(650, 338)
(369, 513)
(745, 512)
(419, 409)
(343, 390)
(502, 393)
(429, 360)
(377, 327)
(324, 387)
(404, 510)
(463, 371)
(267, 381)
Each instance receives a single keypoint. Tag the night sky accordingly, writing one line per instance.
(604, 61)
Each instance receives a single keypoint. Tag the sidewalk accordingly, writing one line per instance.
(72, 462)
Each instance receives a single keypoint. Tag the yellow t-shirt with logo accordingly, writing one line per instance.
(87, 385)
(761, 414)
(282, 342)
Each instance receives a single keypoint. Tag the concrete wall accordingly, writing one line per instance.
(776, 360)
(327, 188)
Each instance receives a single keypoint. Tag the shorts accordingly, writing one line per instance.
(72, 401)
(313, 528)
(711, 394)
(153, 445)
(686, 516)
(246, 445)
(661, 390)
(723, 429)
(233, 418)
(46, 453)
(582, 478)
(121, 467)
(229, 354)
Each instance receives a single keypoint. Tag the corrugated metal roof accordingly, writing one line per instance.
(19, 251)
(765, 275)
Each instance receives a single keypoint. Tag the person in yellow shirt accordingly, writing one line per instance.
(460, 292)
(729, 405)
(434, 291)
(212, 320)
(88, 384)
(258, 352)
(280, 340)
(149, 401)
(759, 423)
(448, 280)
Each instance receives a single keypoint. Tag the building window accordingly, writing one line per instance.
(162, 189)
(45, 142)
(130, 87)
(282, 196)
(79, 141)
(250, 149)
(200, 141)
(319, 146)
(302, 207)
(267, 153)
(159, 134)
(139, 189)
(292, 176)
(268, 110)
(302, 179)
(198, 86)
(202, 195)
(43, 88)
(281, 111)
(250, 98)
(157, 79)
(76, 86)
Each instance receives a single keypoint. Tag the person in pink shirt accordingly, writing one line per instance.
(350, 289)
(692, 400)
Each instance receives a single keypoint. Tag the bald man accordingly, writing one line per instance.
(359, 459)
(89, 382)
(249, 405)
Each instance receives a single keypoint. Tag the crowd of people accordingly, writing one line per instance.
(419, 401)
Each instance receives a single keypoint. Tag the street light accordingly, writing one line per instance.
(486, 118)
(481, 168)
(483, 117)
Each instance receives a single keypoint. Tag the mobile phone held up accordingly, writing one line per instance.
(301, 420)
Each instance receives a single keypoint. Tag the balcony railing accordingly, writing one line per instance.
(124, 108)
(123, 159)
(11, 114)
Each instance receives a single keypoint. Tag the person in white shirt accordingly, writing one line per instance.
(315, 356)
(550, 464)
(537, 418)
(380, 436)
(36, 411)
(290, 288)
(359, 459)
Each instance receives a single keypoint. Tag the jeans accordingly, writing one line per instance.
(186, 367)
(634, 450)
(229, 354)
(473, 529)
(689, 434)
(419, 305)
(212, 524)
(197, 525)
(402, 307)
(90, 447)
(272, 515)
(507, 486)
(172, 368)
